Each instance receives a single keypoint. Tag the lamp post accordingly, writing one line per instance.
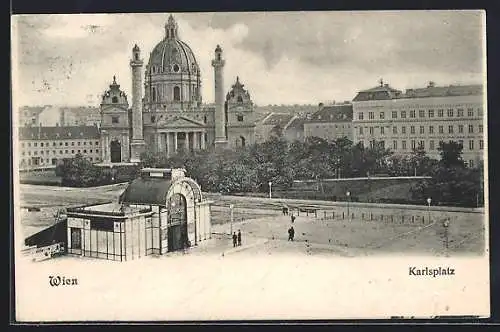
(446, 224)
(231, 207)
(348, 194)
(429, 200)
(270, 191)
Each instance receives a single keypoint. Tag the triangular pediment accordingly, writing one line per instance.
(182, 122)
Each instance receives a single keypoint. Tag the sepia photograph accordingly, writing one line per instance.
(250, 166)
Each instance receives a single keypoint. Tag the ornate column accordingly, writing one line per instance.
(196, 145)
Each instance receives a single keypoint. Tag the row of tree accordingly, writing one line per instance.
(250, 169)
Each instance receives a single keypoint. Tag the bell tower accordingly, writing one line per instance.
(220, 114)
(137, 145)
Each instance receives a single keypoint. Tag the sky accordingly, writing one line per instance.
(281, 57)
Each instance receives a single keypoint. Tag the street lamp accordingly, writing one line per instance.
(348, 194)
(270, 184)
(231, 207)
(446, 224)
(429, 200)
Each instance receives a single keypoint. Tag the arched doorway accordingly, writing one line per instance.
(177, 222)
(116, 151)
(242, 141)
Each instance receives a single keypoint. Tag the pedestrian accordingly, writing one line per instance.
(235, 239)
(239, 237)
(292, 218)
(291, 233)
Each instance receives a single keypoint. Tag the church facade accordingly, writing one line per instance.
(167, 114)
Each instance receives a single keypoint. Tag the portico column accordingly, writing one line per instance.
(195, 141)
(159, 142)
(175, 141)
(169, 144)
(203, 140)
(186, 142)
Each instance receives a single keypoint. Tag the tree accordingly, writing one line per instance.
(451, 154)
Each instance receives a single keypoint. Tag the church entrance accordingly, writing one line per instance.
(116, 151)
(177, 223)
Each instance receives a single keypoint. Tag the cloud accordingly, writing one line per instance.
(299, 57)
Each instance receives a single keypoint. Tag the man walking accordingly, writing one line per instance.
(239, 237)
(291, 233)
(235, 239)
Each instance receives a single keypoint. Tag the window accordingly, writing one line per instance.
(412, 114)
(431, 145)
(421, 114)
(54, 144)
(65, 151)
(450, 112)
(96, 143)
(115, 119)
(421, 144)
(41, 152)
(60, 144)
(460, 128)
(72, 143)
(35, 153)
(29, 153)
(85, 143)
(441, 129)
(370, 115)
(480, 112)
(394, 145)
(403, 130)
(153, 119)
(461, 143)
(403, 114)
(471, 144)
(35, 144)
(412, 130)
(53, 151)
(29, 144)
(460, 112)
(23, 153)
(431, 129)
(22, 145)
(361, 130)
(481, 144)
(41, 144)
(394, 114)
(450, 129)
(360, 116)
(90, 143)
(471, 163)
(440, 113)
(114, 100)
(403, 145)
(240, 118)
(177, 93)
(480, 128)
(471, 129)
(431, 113)
(382, 130)
(79, 143)
(65, 143)
(413, 144)
(470, 112)
(382, 144)
(96, 150)
(382, 115)
(371, 130)
(394, 130)
(79, 151)
(72, 151)
(60, 151)
(90, 150)
(240, 99)
(421, 129)
(84, 151)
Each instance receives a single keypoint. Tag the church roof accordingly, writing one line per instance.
(171, 51)
(147, 191)
(58, 133)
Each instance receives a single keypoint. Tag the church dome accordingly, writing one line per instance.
(172, 55)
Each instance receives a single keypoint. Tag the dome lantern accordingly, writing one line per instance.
(171, 29)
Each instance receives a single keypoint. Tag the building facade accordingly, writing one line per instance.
(43, 146)
(422, 118)
(330, 122)
(167, 114)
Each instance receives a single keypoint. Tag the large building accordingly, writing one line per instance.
(43, 146)
(167, 114)
(330, 122)
(421, 117)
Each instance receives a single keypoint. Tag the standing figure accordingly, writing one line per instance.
(239, 237)
(292, 218)
(291, 233)
(235, 239)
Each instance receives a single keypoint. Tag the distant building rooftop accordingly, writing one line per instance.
(58, 133)
(277, 119)
(333, 113)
